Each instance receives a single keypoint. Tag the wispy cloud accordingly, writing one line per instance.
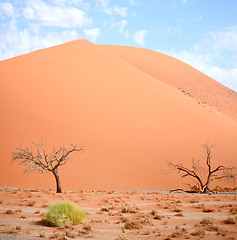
(121, 27)
(50, 15)
(204, 55)
(105, 7)
(132, 2)
(92, 34)
(7, 8)
(139, 36)
(122, 11)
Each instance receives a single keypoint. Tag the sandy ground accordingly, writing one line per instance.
(155, 215)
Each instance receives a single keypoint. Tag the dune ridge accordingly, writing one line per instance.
(129, 121)
(187, 79)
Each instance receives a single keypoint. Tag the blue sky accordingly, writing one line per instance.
(202, 33)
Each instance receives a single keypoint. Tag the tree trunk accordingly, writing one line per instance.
(58, 183)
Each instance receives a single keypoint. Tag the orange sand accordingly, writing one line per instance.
(122, 105)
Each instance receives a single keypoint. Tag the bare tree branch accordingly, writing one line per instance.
(220, 172)
(38, 160)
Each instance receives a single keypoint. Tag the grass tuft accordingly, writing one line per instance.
(64, 212)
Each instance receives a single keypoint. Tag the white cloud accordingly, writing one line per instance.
(225, 39)
(184, 1)
(132, 2)
(54, 15)
(203, 62)
(121, 27)
(104, 5)
(92, 33)
(16, 42)
(215, 55)
(173, 30)
(122, 11)
(7, 8)
(139, 36)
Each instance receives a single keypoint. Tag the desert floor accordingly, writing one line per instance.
(121, 215)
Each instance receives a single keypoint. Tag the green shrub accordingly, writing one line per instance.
(64, 212)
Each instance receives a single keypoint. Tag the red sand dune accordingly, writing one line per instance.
(129, 115)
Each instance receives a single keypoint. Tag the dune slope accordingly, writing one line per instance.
(129, 122)
(180, 75)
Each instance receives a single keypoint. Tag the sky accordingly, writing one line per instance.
(201, 33)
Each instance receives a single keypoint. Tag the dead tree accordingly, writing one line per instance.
(34, 158)
(220, 172)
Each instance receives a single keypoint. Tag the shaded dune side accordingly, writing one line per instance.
(180, 75)
(128, 122)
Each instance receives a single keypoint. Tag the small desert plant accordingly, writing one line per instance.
(177, 210)
(233, 210)
(132, 225)
(105, 209)
(9, 211)
(206, 221)
(31, 203)
(221, 232)
(70, 234)
(64, 212)
(147, 232)
(207, 210)
(198, 232)
(128, 209)
(87, 229)
(229, 220)
(178, 232)
(153, 212)
(145, 221)
(18, 228)
(1, 201)
(194, 200)
(179, 215)
(218, 188)
(156, 232)
(121, 237)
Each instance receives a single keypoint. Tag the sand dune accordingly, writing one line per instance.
(179, 75)
(128, 117)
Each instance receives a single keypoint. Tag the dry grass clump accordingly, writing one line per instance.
(194, 200)
(31, 203)
(233, 210)
(156, 232)
(145, 221)
(130, 224)
(206, 221)
(179, 215)
(121, 237)
(155, 215)
(221, 232)
(86, 230)
(70, 234)
(207, 210)
(178, 232)
(199, 232)
(59, 236)
(177, 210)
(9, 211)
(229, 220)
(128, 209)
(64, 212)
(105, 209)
